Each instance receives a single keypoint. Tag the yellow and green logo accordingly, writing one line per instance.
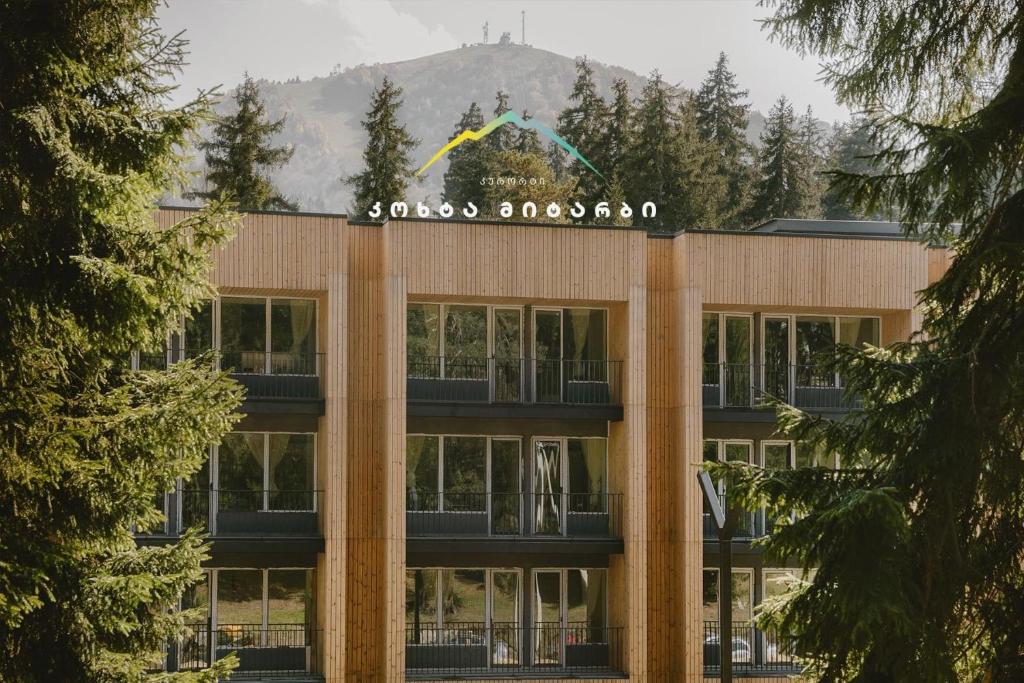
(510, 117)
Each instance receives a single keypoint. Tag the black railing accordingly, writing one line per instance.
(748, 525)
(249, 511)
(509, 649)
(750, 385)
(571, 515)
(276, 651)
(264, 374)
(753, 650)
(514, 380)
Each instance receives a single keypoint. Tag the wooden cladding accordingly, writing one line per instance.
(655, 291)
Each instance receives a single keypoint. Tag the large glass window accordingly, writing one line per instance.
(421, 602)
(240, 472)
(199, 330)
(423, 340)
(815, 344)
(254, 601)
(586, 334)
(463, 595)
(776, 357)
(243, 334)
(263, 335)
(547, 487)
(465, 342)
(239, 598)
(289, 596)
(859, 332)
(293, 336)
(264, 471)
(421, 481)
(587, 596)
(450, 473)
(742, 595)
(290, 469)
(588, 475)
(465, 473)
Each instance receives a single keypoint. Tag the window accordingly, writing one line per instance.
(569, 475)
(588, 475)
(465, 342)
(742, 595)
(807, 342)
(455, 341)
(243, 334)
(464, 485)
(251, 603)
(455, 605)
(450, 473)
(815, 456)
(727, 357)
(258, 471)
(815, 344)
(587, 604)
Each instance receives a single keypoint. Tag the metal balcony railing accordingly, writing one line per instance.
(571, 515)
(749, 525)
(244, 512)
(508, 648)
(753, 651)
(514, 380)
(264, 374)
(277, 651)
(749, 385)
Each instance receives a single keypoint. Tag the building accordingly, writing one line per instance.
(470, 449)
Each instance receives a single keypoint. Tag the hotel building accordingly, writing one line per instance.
(470, 449)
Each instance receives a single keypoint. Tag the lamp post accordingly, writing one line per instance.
(725, 524)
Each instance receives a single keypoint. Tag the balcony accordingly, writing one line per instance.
(277, 652)
(748, 385)
(244, 521)
(511, 649)
(274, 381)
(510, 515)
(754, 652)
(750, 525)
(516, 383)
(251, 512)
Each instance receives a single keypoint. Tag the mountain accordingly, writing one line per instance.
(324, 114)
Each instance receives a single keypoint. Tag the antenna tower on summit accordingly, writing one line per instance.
(485, 33)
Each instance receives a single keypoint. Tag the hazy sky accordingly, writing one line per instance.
(279, 39)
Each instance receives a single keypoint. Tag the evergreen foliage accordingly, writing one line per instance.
(467, 164)
(779, 190)
(387, 158)
(501, 139)
(918, 541)
(86, 275)
(582, 123)
(722, 119)
(240, 153)
(851, 149)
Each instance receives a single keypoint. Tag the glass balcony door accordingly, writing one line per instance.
(548, 607)
(777, 358)
(548, 356)
(549, 513)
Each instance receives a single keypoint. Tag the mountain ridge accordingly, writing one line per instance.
(324, 113)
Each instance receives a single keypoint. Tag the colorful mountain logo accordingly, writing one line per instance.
(510, 117)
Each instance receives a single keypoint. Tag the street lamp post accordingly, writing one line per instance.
(725, 524)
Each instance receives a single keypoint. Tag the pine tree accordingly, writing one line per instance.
(779, 190)
(722, 119)
(240, 153)
(918, 540)
(86, 275)
(851, 149)
(526, 140)
(388, 166)
(617, 135)
(667, 163)
(547, 190)
(468, 163)
(812, 154)
(501, 139)
(582, 125)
